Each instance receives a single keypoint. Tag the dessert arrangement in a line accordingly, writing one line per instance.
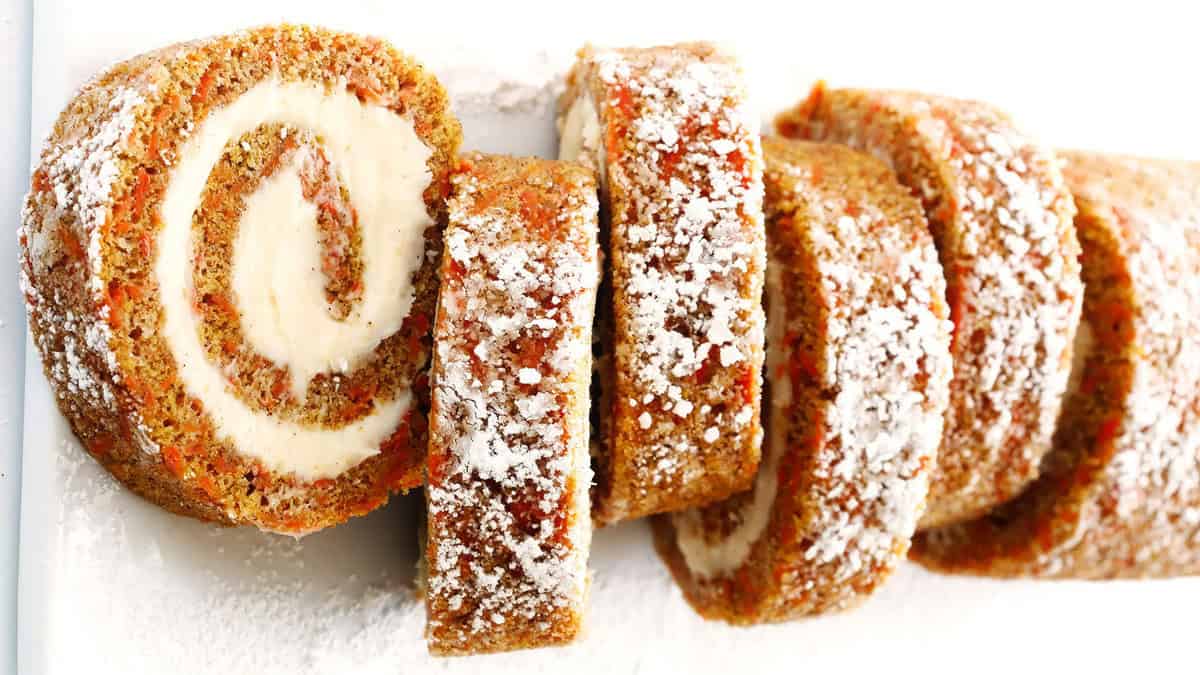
(269, 289)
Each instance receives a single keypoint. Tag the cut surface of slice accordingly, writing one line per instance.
(229, 261)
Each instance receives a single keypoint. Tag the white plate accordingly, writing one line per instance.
(112, 584)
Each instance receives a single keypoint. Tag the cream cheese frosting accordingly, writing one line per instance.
(276, 272)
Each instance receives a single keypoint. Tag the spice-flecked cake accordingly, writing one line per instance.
(858, 374)
(509, 521)
(1001, 217)
(1120, 492)
(680, 325)
(229, 262)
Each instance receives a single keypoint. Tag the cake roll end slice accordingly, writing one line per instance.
(229, 259)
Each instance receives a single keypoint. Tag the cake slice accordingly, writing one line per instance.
(1001, 217)
(858, 371)
(229, 258)
(508, 469)
(1120, 494)
(680, 326)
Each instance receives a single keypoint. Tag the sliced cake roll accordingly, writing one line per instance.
(680, 332)
(509, 523)
(229, 260)
(1120, 492)
(1001, 217)
(858, 372)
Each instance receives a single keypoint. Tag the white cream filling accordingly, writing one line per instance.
(1079, 356)
(277, 278)
(582, 138)
(580, 532)
(707, 560)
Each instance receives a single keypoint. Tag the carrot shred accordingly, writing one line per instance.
(41, 182)
(140, 188)
(207, 484)
(101, 446)
(204, 85)
(173, 459)
(71, 243)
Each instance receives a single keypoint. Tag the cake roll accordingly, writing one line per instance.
(1001, 217)
(509, 523)
(228, 256)
(680, 324)
(858, 375)
(1120, 491)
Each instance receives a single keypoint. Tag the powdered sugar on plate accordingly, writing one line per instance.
(509, 81)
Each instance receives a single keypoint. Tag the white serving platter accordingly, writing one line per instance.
(111, 584)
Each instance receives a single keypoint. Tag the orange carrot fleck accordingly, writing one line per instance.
(280, 387)
(221, 303)
(41, 182)
(145, 245)
(955, 300)
(101, 446)
(209, 486)
(116, 303)
(70, 242)
(202, 88)
(140, 189)
(173, 459)
(1108, 431)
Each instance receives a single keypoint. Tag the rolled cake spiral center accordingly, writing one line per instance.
(279, 279)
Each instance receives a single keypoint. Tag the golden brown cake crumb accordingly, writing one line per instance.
(1120, 492)
(1001, 218)
(680, 327)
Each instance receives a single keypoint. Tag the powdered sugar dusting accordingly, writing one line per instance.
(1120, 496)
(506, 81)
(285, 605)
(883, 370)
(509, 450)
(1011, 255)
(1156, 471)
(1022, 293)
(683, 156)
(62, 223)
(882, 430)
(1141, 515)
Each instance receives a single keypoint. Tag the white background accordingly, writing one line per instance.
(14, 175)
(112, 585)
